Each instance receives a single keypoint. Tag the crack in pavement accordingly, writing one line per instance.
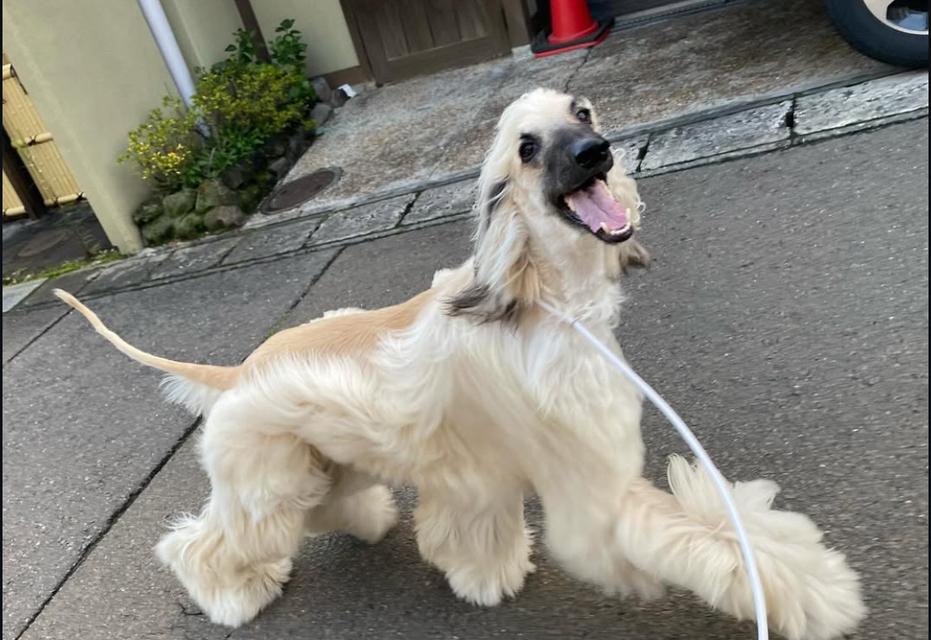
(642, 153)
(189, 612)
(65, 311)
(407, 209)
(111, 522)
(32, 341)
(585, 58)
(276, 327)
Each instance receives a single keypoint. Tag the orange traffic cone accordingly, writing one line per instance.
(573, 28)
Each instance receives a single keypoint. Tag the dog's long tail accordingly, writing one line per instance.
(193, 385)
(684, 538)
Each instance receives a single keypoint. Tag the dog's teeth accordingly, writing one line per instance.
(613, 232)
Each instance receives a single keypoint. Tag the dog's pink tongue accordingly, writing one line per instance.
(595, 206)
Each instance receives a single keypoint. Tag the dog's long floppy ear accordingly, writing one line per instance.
(506, 280)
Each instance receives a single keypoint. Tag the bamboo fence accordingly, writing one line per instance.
(35, 146)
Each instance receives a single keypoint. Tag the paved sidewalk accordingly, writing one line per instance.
(785, 316)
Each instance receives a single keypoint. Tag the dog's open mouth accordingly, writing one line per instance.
(592, 206)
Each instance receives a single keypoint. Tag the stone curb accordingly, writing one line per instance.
(664, 147)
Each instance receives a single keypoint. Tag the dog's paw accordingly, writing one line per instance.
(629, 581)
(236, 605)
(230, 595)
(377, 514)
(367, 515)
(489, 588)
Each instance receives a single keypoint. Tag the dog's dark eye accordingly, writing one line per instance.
(527, 149)
(584, 115)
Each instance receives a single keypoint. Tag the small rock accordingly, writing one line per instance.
(321, 88)
(179, 203)
(158, 230)
(147, 212)
(264, 180)
(321, 113)
(236, 176)
(213, 193)
(279, 166)
(225, 217)
(338, 99)
(250, 197)
(298, 144)
(276, 146)
(190, 226)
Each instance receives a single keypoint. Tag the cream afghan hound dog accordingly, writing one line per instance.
(474, 394)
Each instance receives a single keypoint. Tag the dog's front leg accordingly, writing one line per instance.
(581, 518)
(482, 545)
(684, 539)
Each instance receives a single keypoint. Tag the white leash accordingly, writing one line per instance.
(759, 602)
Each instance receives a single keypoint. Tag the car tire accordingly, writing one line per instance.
(876, 38)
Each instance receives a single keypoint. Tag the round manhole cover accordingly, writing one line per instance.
(301, 190)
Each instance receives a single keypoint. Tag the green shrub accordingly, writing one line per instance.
(243, 49)
(245, 105)
(286, 49)
(238, 105)
(164, 145)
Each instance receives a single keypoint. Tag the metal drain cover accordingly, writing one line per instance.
(301, 190)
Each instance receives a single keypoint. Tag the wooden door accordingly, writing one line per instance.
(404, 38)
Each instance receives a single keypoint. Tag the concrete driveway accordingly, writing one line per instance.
(785, 316)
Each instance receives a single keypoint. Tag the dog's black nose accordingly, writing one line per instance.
(589, 152)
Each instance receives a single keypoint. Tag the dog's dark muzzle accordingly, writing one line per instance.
(577, 157)
(591, 153)
(576, 183)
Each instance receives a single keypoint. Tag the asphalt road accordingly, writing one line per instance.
(785, 316)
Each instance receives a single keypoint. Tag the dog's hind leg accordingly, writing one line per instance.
(235, 556)
(482, 546)
(357, 504)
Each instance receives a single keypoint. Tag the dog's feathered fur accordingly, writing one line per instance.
(475, 396)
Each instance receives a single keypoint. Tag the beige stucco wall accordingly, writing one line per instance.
(93, 71)
(203, 28)
(329, 46)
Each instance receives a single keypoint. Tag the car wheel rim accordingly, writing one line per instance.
(909, 16)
